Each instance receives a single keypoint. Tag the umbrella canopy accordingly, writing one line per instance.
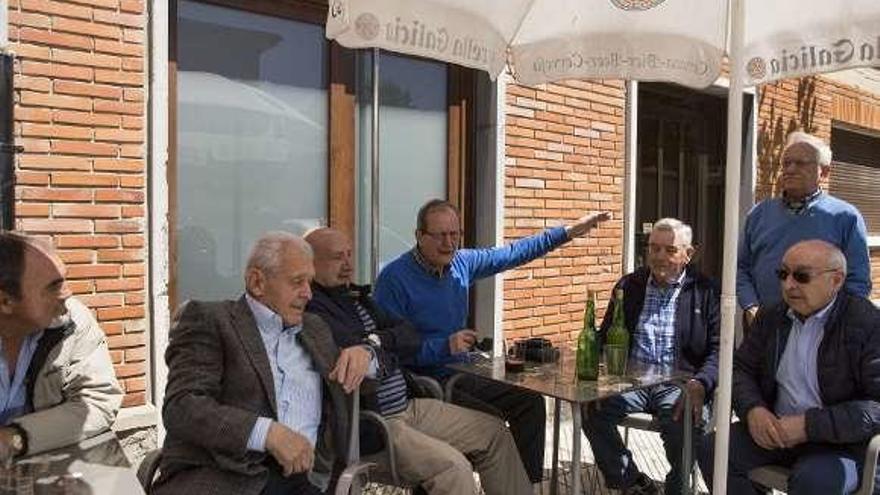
(681, 41)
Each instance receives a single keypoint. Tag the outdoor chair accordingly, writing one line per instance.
(358, 470)
(776, 477)
(147, 469)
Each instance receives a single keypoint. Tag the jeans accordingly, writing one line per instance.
(614, 459)
(816, 469)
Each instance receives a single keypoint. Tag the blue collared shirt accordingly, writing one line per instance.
(654, 338)
(297, 383)
(797, 372)
(13, 392)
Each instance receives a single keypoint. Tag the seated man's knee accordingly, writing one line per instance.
(823, 475)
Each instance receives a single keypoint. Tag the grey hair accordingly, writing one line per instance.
(836, 258)
(265, 254)
(823, 151)
(682, 231)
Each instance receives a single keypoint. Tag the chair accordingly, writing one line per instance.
(776, 477)
(354, 477)
(147, 469)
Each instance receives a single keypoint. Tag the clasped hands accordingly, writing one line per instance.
(771, 432)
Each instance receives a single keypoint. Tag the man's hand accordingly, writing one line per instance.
(586, 223)
(292, 451)
(749, 314)
(351, 367)
(794, 430)
(462, 341)
(765, 428)
(697, 395)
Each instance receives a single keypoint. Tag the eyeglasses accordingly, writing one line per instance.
(800, 276)
(453, 236)
(671, 250)
(800, 163)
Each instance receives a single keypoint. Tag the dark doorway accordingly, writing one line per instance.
(680, 167)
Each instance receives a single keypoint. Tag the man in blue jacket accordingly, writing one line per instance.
(429, 286)
(806, 380)
(672, 314)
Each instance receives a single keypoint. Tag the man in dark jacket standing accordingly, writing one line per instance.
(672, 314)
(806, 380)
(435, 442)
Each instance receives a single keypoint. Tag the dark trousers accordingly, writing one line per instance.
(295, 484)
(523, 411)
(816, 469)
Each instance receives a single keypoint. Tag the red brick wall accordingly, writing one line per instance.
(810, 104)
(565, 158)
(80, 109)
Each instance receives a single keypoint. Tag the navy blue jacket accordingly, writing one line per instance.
(848, 368)
(697, 321)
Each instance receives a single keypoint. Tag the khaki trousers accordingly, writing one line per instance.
(439, 445)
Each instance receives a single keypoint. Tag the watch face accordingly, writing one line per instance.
(17, 442)
(374, 339)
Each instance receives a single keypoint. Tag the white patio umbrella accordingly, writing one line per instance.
(681, 41)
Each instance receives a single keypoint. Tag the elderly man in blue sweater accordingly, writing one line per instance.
(429, 287)
(803, 212)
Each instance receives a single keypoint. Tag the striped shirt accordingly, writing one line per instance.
(654, 336)
(391, 394)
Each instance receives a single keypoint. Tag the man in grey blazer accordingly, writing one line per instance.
(256, 389)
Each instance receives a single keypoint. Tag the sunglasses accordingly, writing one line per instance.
(800, 276)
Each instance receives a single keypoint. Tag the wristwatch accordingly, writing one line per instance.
(374, 340)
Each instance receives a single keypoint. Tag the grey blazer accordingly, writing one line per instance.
(219, 383)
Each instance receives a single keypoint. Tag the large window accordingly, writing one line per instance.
(855, 174)
(251, 139)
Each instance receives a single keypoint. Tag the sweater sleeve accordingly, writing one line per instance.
(858, 277)
(745, 284)
(482, 263)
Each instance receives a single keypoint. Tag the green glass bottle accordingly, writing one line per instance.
(617, 340)
(588, 343)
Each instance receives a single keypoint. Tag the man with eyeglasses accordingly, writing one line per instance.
(429, 286)
(806, 380)
(804, 211)
(672, 313)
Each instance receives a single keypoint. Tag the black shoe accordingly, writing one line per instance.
(642, 486)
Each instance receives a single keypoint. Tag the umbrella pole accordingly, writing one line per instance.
(731, 233)
(374, 174)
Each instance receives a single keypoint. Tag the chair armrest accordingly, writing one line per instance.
(386, 437)
(349, 482)
(869, 468)
(450, 385)
(429, 384)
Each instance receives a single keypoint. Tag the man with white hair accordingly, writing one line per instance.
(804, 211)
(672, 314)
(257, 390)
(806, 380)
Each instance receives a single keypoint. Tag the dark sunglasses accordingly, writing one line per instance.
(800, 276)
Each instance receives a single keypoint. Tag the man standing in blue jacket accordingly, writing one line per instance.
(806, 381)
(672, 314)
(804, 211)
(429, 286)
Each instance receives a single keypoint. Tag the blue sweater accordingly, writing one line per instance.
(771, 229)
(438, 307)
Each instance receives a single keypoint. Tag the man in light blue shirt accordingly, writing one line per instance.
(256, 389)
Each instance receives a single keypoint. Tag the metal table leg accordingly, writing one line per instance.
(576, 449)
(554, 469)
(687, 451)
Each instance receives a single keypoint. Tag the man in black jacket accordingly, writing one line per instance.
(806, 380)
(435, 442)
(672, 314)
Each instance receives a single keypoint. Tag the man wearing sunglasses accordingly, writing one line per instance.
(806, 380)
(672, 312)
(429, 286)
(803, 212)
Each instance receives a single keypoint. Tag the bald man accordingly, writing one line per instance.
(437, 445)
(57, 384)
(806, 380)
